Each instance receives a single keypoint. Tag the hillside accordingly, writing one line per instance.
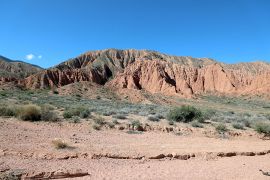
(10, 69)
(155, 72)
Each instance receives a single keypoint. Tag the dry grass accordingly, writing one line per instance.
(59, 144)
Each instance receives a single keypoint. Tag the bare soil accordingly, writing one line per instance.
(115, 154)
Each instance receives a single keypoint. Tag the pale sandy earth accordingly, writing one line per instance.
(28, 146)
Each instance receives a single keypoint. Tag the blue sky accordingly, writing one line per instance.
(47, 32)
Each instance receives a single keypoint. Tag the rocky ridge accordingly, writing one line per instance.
(156, 73)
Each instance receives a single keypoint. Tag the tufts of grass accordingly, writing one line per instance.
(59, 144)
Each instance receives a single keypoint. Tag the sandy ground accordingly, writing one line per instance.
(28, 146)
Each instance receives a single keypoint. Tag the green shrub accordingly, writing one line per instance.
(262, 128)
(29, 113)
(7, 111)
(221, 128)
(237, 126)
(184, 114)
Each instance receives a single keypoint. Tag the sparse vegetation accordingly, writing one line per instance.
(184, 114)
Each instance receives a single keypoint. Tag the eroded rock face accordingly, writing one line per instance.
(171, 79)
(156, 73)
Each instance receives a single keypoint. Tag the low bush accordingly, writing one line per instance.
(184, 114)
(262, 128)
(29, 113)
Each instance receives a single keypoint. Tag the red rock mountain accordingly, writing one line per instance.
(156, 73)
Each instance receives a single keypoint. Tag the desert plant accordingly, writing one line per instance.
(237, 126)
(262, 128)
(221, 128)
(29, 113)
(67, 114)
(184, 114)
(59, 144)
(247, 123)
